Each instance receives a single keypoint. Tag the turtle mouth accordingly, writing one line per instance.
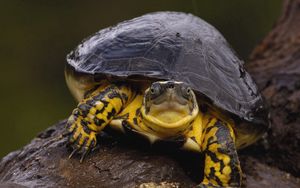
(169, 103)
(170, 109)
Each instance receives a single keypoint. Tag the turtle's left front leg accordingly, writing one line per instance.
(94, 113)
(222, 166)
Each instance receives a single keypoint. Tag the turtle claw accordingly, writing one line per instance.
(83, 151)
(73, 152)
(81, 140)
(84, 154)
(65, 134)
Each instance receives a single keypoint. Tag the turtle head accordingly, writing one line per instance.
(169, 105)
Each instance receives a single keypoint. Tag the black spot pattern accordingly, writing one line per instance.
(84, 108)
(111, 113)
(135, 121)
(226, 146)
(98, 122)
(86, 129)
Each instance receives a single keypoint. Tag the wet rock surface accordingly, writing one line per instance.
(120, 162)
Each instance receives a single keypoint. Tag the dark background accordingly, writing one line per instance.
(36, 35)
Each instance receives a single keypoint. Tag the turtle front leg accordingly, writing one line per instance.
(94, 113)
(222, 166)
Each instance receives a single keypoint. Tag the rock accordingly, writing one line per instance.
(119, 162)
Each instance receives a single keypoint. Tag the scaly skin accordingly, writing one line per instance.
(121, 107)
(222, 167)
(94, 113)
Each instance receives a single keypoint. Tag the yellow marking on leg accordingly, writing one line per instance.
(226, 170)
(131, 111)
(115, 103)
(96, 111)
(209, 134)
(221, 161)
(91, 137)
(90, 116)
(99, 106)
(77, 132)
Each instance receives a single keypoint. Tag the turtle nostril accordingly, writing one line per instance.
(171, 86)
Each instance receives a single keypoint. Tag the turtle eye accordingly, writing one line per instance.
(188, 90)
(152, 91)
(155, 88)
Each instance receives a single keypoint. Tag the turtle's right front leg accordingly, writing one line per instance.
(95, 112)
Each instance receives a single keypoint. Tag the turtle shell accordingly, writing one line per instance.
(173, 46)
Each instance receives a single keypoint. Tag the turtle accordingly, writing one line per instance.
(167, 76)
